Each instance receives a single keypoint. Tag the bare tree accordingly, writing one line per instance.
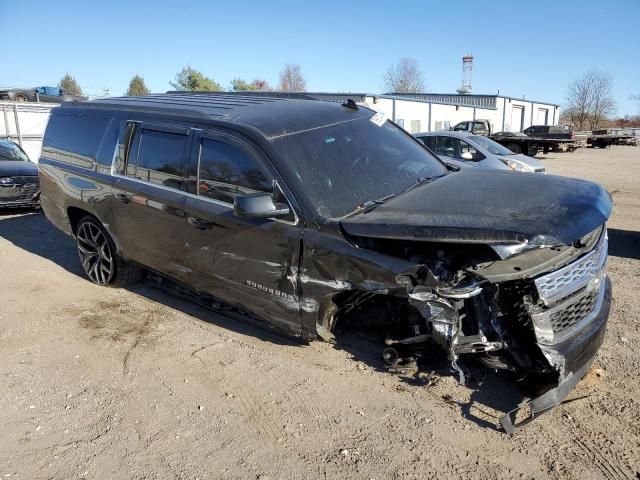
(291, 79)
(603, 104)
(589, 99)
(404, 77)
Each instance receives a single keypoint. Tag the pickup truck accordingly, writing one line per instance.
(39, 94)
(477, 127)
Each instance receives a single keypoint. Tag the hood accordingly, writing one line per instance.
(10, 168)
(489, 206)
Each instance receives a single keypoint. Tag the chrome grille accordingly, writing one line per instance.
(574, 276)
(572, 314)
(571, 296)
(27, 192)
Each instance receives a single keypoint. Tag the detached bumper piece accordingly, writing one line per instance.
(576, 354)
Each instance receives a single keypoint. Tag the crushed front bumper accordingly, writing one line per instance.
(576, 354)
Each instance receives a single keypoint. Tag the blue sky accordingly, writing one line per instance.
(534, 50)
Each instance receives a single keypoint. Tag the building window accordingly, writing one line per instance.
(400, 122)
(415, 126)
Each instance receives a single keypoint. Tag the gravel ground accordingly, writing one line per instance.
(101, 383)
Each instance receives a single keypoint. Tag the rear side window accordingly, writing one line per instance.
(430, 142)
(74, 139)
(226, 171)
(159, 157)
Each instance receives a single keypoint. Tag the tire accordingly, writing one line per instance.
(20, 97)
(98, 256)
(514, 147)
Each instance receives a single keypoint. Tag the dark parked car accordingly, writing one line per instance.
(548, 131)
(19, 181)
(320, 218)
(39, 94)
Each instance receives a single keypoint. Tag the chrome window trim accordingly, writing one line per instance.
(205, 199)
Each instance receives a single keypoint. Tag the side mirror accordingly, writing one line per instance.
(258, 205)
(466, 156)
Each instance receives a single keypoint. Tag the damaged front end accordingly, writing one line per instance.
(537, 311)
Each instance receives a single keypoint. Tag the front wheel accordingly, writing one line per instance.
(98, 256)
(21, 97)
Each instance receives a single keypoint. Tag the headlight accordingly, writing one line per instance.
(516, 166)
(6, 180)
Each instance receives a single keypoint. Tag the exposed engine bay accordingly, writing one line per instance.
(510, 313)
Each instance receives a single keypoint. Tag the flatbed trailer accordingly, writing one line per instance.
(602, 138)
(532, 145)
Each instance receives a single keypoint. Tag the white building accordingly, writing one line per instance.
(25, 123)
(425, 112)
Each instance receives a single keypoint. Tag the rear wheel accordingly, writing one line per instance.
(20, 97)
(98, 256)
(514, 147)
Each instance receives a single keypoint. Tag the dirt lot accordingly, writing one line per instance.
(100, 383)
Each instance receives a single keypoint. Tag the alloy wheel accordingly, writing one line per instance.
(95, 253)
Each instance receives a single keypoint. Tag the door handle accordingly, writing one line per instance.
(199, 223)
(123, 197)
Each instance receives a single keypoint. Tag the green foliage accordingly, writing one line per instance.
(69, 85)
(191, 80)
(239, 85)
(137, 86)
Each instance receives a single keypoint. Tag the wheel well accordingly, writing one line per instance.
(75, 214)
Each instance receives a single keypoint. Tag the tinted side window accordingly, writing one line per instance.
(160, 158)
(227, 171)
(74, 139)
(430, 142)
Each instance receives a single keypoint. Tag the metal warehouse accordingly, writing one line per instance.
(425, 112)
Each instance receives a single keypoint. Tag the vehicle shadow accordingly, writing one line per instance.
(31, 231)
(624, 243)
(493, 392)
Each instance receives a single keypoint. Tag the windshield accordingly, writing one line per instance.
(11, 152)
(493, 147)
(344, 165)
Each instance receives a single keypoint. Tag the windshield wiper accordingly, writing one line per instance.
(422, 181)
(369, 205)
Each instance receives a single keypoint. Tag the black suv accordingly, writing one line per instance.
(319, 217)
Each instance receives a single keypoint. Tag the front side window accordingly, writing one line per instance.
(160, 158)
(466, 151)
(226, 171)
